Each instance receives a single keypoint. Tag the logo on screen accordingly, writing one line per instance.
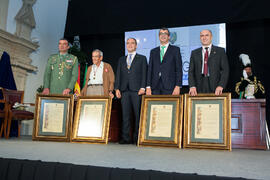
(173, 37)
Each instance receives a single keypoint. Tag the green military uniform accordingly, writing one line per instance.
(61, 73)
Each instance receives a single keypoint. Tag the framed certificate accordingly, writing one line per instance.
(53, 117)
(92, 119)
(161, 121)
(207, 121)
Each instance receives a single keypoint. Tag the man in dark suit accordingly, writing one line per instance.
(129, 86)
(165, 67)
(208, 68)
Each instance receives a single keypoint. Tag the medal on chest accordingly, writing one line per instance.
(61, 68)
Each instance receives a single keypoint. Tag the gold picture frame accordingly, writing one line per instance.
(161, 121)
(92, 119)
(207, 121)
(53, 117)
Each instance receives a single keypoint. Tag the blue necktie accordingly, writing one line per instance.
(129, 60)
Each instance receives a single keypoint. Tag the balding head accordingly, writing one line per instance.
(206, 37)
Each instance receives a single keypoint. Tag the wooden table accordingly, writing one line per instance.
(248, 124)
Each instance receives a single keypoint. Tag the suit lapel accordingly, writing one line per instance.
(104, 71)
(133, 61)
(200, 57)
(158, 54)
(211, 60)
(212, 54)
(166, 53)
(125, 63)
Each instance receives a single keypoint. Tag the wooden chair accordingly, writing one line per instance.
(3, 113)
(11, 97)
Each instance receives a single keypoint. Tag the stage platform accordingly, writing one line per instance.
(252, 164)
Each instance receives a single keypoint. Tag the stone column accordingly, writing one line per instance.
(25, 20)
(3, 13)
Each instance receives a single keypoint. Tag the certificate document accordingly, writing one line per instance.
(160, 120)
(207, 121)
(53, 117)
(91, 121)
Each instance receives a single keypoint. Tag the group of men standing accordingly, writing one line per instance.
(208, 73)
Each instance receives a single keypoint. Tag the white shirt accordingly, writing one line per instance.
(165, 49)
(132, 57)
(203, 53)
(96, 75)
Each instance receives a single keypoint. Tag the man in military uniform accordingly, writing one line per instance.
(249, 87)
(61, 71)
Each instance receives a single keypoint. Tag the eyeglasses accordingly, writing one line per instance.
(163, 33)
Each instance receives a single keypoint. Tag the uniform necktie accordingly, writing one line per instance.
(205, 67)
(162, 53)
(129, 60)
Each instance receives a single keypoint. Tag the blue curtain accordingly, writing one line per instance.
(6, 75)
(7, 81)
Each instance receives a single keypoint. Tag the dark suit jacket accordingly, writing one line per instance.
(170, 68)
(217, 65)
(133, 78)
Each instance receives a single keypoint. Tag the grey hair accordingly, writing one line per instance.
(99, 51)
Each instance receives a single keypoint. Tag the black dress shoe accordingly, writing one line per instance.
(124, 142)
